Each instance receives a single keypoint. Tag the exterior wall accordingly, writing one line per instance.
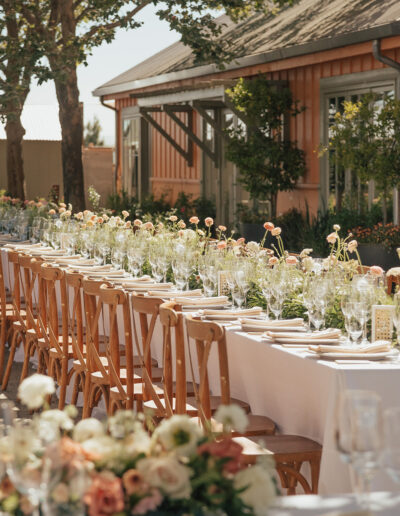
(42, 164)
(303, 73)
(98, 169)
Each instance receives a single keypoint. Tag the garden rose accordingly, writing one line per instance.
(258, 488)
(276, 231)
(209, 221)
(269, 226)
(225, 449)
(352, 246)
(133, 482)
(375, 270)
(34, 390)
(105, 495)
(181, 224)
(331, 238)
(194, 220)
(167, 474)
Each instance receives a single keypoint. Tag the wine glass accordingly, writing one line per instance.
(391, 449)
(316, 315)
(396, 315)
(276, 301)
(354, 326)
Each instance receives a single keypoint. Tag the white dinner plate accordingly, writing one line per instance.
(358, 356)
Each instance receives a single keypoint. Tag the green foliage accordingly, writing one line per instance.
(268, 163)
(92, 133)
(366, 139)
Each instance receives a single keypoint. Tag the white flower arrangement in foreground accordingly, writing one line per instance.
(117, 467)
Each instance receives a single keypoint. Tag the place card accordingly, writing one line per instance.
(223, 286)
(382, 322)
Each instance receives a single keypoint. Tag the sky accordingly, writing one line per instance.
(129, 48)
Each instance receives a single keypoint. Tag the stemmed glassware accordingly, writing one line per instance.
(359, 437)
(391, 450)
(396, 315)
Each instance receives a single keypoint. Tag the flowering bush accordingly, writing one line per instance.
(120, 468)
(387, 235)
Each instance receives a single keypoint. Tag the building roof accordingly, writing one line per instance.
(40, 122)
(307, 27)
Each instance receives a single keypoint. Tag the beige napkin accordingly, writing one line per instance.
(201, 301)
(174, 293)
(315, 335)
(295, 325)
(23, 245)
(76, 258)
(146, 286)
(106, 274)
(146, 278)
(380, 346)
(96, 268)
(245, 311)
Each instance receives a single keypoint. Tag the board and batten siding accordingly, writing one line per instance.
(170, 172)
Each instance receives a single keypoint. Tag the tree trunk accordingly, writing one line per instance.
(71, 121)
(15, 165)
(274, 202)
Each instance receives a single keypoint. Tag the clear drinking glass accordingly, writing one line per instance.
(391, 449)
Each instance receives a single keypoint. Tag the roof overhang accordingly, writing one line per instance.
(342, 40)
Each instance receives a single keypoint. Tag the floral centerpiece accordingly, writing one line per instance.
(120, 468)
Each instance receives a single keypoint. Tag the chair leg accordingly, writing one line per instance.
(3, 339)
(79, 386)
(10, 361)
(315, 467)
(86, 411)
(29, 346)
(63, 382)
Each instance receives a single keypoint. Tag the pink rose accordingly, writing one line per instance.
(331, 238)
(276, 231)
(194, 220)
(148, 503)
(269, 226)
(105, 495)
(291, 260)
(209, 221)
(375, 270)
(221, 244)
(181, 224)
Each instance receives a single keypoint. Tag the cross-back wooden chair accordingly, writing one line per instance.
(7, 316)
(24, 327)
(209, 335)
(393, 281)
(289, 451)
(55, 346)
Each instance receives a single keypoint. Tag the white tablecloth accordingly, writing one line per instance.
(298, 392)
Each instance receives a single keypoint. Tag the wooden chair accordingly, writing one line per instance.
(206, 336)
(7, 316)
(392, 283)
(289, 451)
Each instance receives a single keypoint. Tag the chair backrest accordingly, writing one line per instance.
(14, 278)
(392, 283)
(56, 307)
(145, 307)
(3, 294)
(74, 285)
(206, 335)
(93, 312)
(113, 298)
(169, 319)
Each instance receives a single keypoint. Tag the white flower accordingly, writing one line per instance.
(168, 474)
(253, 247)
(87, 429)
(336, 227)
(259, 488)
(33, 390)
(57, 418)
(305, 252)
(136, 443)
(232, 417)
(103, 445)
(308, 264)
(178, 433)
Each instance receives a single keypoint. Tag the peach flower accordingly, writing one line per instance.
(148, 225)
(269, 226)
(273, 260)
(52, 212)
(173, 218)
(128, 224)
(331, 238)
(276, 231)
(105, 495)
(240, 241)
(133, 482)
(221, 244)
(137, 222)
(224, 449)
(194, 220)
(209, 221)
(352, 246)
(181, 224)
(61, 210)
(222, 228)
(291, 260)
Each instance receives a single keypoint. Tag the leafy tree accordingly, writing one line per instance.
(366, 139)
(70, 29)
(92, 133)
(268, 163)
(19, 52)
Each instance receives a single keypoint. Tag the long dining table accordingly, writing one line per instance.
(297, 390)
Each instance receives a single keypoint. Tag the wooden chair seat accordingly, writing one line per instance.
(258, 426)
(138, 391)
(98, 378)
(216, 401)
(289, 453)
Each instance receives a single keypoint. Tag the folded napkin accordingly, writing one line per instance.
(94, 268)
(145, 286)
(76, 258)
(296, 325)
(245, 311)
(296, 335)
(23, 245)
(380, 346)
(105, 274)
(137, 282)
(201, 301)
(174, 293)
